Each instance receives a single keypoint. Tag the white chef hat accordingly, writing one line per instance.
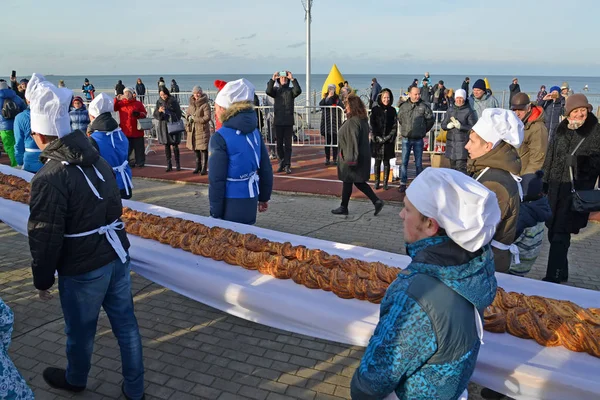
(101, 104)
(496, 125)
(128, 89)
(49, 107)
(466, 209)
(235, 91)
(461, 93)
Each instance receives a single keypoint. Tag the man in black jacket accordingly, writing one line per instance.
(283, 109)
(75, 229)
(415, 119)
(465, 86)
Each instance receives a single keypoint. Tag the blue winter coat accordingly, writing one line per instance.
(426, 343)
(226, 201)
(7, 124)
(27, 151)
(113, 146)
(532, 212)
(80, 118)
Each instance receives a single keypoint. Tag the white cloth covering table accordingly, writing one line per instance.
(520, 368)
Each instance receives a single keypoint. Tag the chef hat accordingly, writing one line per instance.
(463, 207)
(496, 125)
(235, 91)
(49, 107)
(461, 93)
(128, 89)
(101, 104)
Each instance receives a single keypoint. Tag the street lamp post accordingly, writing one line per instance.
(307, 4)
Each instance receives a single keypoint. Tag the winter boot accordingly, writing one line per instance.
(204, 155)
(168, 155)
(176, 152)
(377, 174)
(198, 162)
(386, 176)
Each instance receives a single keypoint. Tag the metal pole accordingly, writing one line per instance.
(308, 9)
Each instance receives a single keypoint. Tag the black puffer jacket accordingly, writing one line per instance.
(331, 116)
(284, 101)
(63, 203)
(557, 181)
(415, 119)
(456, 139)
(383, 124)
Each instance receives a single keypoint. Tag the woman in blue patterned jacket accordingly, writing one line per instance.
(427, 340)
(12, 384)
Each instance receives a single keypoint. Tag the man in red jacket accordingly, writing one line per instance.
(130, 110)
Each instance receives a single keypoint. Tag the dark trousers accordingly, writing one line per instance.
(331, 140)
(284, 134)
(136, 145)
(459, 165)
(558, 263)
(362, 186)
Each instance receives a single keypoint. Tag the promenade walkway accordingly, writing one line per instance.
(193, 351)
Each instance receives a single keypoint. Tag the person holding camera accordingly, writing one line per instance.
(554, 106)
(283, 109)
(130, 110)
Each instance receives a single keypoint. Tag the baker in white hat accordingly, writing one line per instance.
(75, 229)
(448, 220)
(240, 175)
(494, 161)
(458, 121)
(110, 141)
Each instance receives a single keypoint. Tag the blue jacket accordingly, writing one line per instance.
(532, 212)
(7, 124)
(87, 90)
(114, 148)
(80, 118)
(426, 344)
(30, 160)
(231, 160)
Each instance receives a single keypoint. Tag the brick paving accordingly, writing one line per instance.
(193, 351)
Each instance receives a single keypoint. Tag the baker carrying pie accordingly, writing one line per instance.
(75, 229)
(239, 170)
(430, 328)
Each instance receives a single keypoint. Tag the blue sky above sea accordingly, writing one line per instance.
(154, 37)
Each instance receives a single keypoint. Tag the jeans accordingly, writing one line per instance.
(81, 297)
(416, 145)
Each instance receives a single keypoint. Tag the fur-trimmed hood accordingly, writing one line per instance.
(240, 116)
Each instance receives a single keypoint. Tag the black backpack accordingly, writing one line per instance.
(10, 109)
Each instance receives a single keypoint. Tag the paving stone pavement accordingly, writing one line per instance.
(193, 351)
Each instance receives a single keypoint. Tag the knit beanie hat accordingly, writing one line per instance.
(553, 88)
(479, 84)
(576, 101)
(532, 185)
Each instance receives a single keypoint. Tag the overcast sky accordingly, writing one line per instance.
(508, 37)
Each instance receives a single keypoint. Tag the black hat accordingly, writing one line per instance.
(532, 185)
(86, 80)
